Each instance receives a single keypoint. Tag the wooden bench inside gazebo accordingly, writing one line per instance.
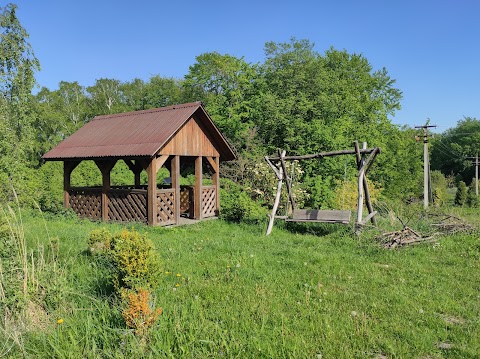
(174, 137)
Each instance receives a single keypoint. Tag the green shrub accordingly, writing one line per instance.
(132, 257)
(238, 206)
(461, 195)
(472, 198)
(439, 188)
(99, 241)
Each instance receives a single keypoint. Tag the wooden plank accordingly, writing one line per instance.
(370, 216)
(315, 215)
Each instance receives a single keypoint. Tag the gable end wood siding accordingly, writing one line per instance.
(191, 140)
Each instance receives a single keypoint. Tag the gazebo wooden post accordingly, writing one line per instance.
(138, 170)
(198, 188)
(68, 167)
(175, 175)
(216, 183)
(152, 192)
(215, 165)
(105, 167)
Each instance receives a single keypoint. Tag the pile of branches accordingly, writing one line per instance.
(440, 224)
(448, 224)
(406, 236)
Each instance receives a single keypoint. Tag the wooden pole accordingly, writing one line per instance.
(361, 177)
(198, 188)
(176, 186)
(105, 166)
(152, 192)
(277, 197)
(287, 181)
(425, 172)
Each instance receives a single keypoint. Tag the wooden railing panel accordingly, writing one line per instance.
(86, 202)
(127, 205)
(166, 206)
(209, 201)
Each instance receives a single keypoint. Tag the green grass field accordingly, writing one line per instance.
(228, 291)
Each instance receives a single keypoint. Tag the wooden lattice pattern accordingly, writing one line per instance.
(166, 206)
(186, 198)
(126, 206)
(86, 203)
(209, 201)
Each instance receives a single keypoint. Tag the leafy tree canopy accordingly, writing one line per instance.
(451, 149)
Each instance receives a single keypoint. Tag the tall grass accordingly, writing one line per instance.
(229, 291)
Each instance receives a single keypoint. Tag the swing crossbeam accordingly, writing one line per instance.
(324, 216)
(320, 216)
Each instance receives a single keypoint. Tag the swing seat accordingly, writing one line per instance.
(320, 216)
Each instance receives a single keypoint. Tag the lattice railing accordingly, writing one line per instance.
(186, 200)
(127, 205)
(86, 202)
(166, 206)
(209, 201)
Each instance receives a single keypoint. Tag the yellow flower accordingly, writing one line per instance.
(167, 272)
(179, 275)
(60, 321)
(177, 285)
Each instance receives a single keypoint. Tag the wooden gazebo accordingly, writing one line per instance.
(175, 137)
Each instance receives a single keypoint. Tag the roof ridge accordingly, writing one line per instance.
(151, 110)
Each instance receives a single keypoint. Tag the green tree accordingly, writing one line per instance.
(17, 67)
(308, 103)
(105, 97)
(224, 83)
(472, 198)
(160, 92)
(461, 195)
(450, 149)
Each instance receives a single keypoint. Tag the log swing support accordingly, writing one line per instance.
(278, 165)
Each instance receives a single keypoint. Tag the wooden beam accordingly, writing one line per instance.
(197, 214)
(161, 161)
(105, 167)
(325, 154)
(175, 175)
(152, 192)
(213, 163)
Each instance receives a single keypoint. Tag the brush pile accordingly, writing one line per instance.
(406, 236)
(448, 224)
(440, 224)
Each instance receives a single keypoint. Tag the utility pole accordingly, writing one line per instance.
(426, 163)
(476, 172)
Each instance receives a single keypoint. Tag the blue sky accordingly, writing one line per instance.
(431, 48)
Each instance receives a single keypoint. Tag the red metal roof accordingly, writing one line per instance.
(134, 134)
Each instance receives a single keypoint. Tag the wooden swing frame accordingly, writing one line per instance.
(277, 163)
